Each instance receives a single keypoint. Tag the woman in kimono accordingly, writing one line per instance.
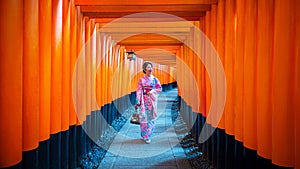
(147, 93)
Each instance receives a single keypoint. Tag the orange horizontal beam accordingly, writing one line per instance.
(146, 8)
(129, 25)
(144, 30)
(150, 37)
(147, 39)
(144, 2)
(139, 47)
(167, 54)
(122, 14)
(149, 43)
(188, 18)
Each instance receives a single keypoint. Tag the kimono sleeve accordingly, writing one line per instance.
(139, 91)
(157, 87)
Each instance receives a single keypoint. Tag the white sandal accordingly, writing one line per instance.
(148, 141)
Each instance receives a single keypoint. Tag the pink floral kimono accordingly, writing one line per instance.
(148, 104)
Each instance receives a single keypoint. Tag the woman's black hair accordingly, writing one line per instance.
(145, 65)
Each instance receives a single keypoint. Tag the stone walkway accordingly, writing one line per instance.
(164, 152)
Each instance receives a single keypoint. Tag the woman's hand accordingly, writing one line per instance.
(150, 92)
(136, 106)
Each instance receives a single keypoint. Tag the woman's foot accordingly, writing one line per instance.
(148, 141)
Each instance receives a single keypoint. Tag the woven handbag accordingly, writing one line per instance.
(135, 117)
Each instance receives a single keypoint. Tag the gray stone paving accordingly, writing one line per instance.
(164, 152)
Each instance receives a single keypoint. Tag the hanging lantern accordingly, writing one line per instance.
(131, 55)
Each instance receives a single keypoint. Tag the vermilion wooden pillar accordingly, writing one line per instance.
(31, 84)
(31, 76)
(45, 12)
(297, 82)
(56, 67)
(73, 54)
(65, 64)
(250, 74)
(283, 138)
(11, 82)
(265, 39)
(56, 85)
(45, 15)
